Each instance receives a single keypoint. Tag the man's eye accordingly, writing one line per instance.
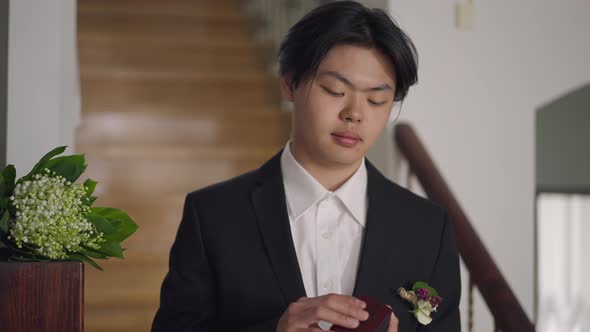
(333, 93)
(376, 103)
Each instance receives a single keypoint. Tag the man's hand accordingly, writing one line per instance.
(305, 314)
(393, 322)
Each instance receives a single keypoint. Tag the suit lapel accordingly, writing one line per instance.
(270, 206)
(384, 241)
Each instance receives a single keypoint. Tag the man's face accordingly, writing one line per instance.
(339, 113)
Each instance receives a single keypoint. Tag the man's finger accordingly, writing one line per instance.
(313, 314)
(344, 304)
(393, 323)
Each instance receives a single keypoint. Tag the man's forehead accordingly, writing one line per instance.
(365, 83)
(358, 65)
(358, 80)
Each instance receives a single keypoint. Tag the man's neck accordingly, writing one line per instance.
(331, 176)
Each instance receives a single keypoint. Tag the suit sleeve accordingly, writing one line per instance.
(266, 326)
(187, 298)
(446, 279)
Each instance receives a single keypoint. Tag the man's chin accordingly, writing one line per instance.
(348, 159)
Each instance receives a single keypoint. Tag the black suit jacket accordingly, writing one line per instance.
(233, 265)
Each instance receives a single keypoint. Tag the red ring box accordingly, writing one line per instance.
(379, 316)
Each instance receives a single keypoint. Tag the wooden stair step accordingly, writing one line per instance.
(133, 287)
(190, 78)
(161, 27)
(216, 103)
(174, 15)
(198, 74)
(178, 109)
(206, 44)
(167, 9)
(164, 176)
(178, 152)
(158, 218)
(138, 276)
(159, 42)
(169, 102)
(213, 88)
(197, 9)
(133, 260)
(232, 131)
(146, 57)
(133, 319)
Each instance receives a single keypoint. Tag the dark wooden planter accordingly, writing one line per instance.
(42, 296)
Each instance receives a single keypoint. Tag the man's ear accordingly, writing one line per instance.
(287, 89)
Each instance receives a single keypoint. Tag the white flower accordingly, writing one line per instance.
(51, 216)
(422, 312)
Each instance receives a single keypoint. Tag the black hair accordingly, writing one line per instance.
(350, 23)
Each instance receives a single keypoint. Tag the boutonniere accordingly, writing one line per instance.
(424, 298)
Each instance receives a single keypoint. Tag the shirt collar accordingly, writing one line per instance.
(302, 190)
(353, 193)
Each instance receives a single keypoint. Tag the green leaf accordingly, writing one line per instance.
(88, 200)
(84, 258)
(24, 256)
(90, 185)
(111, 248)
(41, 164)
(70, 167)
(7, 178)
(24, 259)
(91, 200)
(2, 186)
(102, 224)
(11, 251)
(123, 224)
(4, 203)
(9, 173)
(91, 252)
(4, 222)
(422, 284)
(57, 151)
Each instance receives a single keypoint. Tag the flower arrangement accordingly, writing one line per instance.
(45, 215)
(424, 298)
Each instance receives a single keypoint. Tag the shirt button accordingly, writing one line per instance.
(327, 284)
(327, 235)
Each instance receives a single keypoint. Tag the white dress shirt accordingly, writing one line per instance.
(327, 227)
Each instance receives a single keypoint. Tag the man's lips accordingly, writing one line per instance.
(346, 138)
(347, 134)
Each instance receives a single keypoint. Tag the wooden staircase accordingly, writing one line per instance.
(175, 96)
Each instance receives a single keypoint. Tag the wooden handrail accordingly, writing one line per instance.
(505, 308)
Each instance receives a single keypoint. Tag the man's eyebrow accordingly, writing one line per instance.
(346, 81)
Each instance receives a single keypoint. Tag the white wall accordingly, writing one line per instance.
(43, 90)
(474, 108)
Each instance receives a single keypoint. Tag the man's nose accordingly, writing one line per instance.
(354, 111)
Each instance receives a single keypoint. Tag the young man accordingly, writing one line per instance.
(290, 246)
